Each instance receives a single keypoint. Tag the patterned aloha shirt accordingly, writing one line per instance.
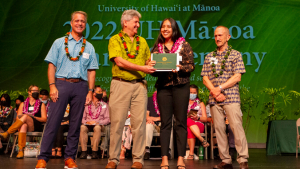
(233, 65)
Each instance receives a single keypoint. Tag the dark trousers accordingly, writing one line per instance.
(173, 100)
(59, 140)
(75, 95)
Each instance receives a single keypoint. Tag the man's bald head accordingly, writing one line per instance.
(224, 29)
(222, 37)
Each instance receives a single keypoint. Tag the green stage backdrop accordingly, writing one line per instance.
(265, 31)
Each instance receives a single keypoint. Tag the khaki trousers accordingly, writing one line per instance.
(125, 96)
(95, 140)
(235, 120)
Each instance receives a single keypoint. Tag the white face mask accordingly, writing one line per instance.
(44, 101)
(193, 96)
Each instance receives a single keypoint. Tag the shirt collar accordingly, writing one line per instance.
(71, 37)
(126, 35)
(98, 103)
(223, 51)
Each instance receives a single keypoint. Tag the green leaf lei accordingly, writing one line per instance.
(222, 63)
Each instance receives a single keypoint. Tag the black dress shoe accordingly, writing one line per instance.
(244, 165)
(83, 155)
(223, 165)
(94, 155)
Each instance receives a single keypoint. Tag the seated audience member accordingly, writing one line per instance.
(31, 116)
(126, 137)
(59, 141)
(44, 97)
(95, 116)
(6, 114)
(195, 122)
(18, 101)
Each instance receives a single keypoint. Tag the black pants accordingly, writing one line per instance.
(173, 100)
(59, 141)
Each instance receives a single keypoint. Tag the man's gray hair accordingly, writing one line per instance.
(79, 12)
(128, 15)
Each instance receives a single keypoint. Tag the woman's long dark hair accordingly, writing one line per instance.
(7, 99)
(176, 32)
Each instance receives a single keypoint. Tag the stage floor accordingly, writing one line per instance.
(258, 160)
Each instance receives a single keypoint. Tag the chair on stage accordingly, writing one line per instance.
(90, 134)
(298, 137)
(29, 134)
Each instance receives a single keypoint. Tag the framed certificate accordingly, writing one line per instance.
(166, 61)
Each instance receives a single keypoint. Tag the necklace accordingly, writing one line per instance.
(97, 112)
(126, 48)
(5, 112)
(35, 109)
(176, 47)
(67, 49)
(213, 65)
(195, 103)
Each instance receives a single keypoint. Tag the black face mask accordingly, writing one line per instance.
(99, 96)
(35, 95)
(17, 106)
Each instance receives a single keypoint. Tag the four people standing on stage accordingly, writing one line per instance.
(71, 64)
(222, 71)
(129, 54)
(173, 89)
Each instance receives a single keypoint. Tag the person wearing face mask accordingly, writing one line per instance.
(95, 116)
(195, 122)
(30, 117)
(44, 97)
(173, 89)
(18, 101)
(6, 114)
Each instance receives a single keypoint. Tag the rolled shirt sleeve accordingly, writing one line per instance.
(238, 64)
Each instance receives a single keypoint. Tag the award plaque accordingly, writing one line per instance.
(165, 61)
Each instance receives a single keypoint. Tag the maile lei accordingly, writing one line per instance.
(196, 102)
(176, 47)
(126, 48)
(35, 109)
(67, 49)
(154, 98)
(98, 111)
(213, 65)
(5, 112)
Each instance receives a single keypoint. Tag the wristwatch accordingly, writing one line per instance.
(92, 90)
(221, 88)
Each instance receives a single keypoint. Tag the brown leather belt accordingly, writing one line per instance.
(70, 80)
(130, 81)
